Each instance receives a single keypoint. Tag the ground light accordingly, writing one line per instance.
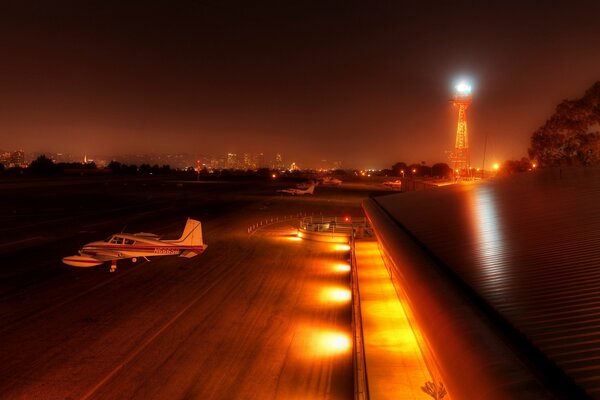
(341, 247)
(335, 295)
(318, 341)
(341, 268)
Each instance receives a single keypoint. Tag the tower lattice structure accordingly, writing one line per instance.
(460, 157)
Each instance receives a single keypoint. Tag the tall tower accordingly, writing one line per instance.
(460, 157)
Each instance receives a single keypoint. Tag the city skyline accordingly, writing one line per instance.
(367, 84)
(229, 160)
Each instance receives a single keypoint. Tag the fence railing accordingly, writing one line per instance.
(273, 220)
(332, 224)
(361, 384)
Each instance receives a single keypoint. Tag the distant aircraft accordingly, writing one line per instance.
(397, 184)
(305, 185)
(328, 180)
(125, 245)
(296, 192)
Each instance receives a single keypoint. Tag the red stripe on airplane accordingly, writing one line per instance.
(83, 261)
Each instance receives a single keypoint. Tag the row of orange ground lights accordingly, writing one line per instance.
(322, 341)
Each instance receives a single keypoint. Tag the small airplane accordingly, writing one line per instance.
(125, 245)
(397, 184)
(296, 192)
(328, 180)
(305, 185)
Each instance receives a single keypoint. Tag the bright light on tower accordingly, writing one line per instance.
(463, 88)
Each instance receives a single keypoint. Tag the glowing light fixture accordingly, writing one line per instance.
(463, 88)
(334, 343)
(341, 267)
(335, 295)
(341, 247)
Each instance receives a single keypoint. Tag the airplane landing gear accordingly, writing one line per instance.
(113, 266)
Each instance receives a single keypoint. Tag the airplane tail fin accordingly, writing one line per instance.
(192, 234)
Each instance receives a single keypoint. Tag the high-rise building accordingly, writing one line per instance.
(278, 162)
(247, 162)
(5, 158)
(260, 160)
(232, 161)
(17, 158)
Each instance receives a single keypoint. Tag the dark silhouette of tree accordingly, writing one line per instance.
(570, 136)
(513, 166)
(145, 169)
(115, 167)
(75, 166)
(414, 170)
(398, 167)
(441, 170)
(42, 165)
(129, 169)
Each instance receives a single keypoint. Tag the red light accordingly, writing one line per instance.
(347, 219)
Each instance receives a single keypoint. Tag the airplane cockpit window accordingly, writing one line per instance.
(116, 240)
(129, 241)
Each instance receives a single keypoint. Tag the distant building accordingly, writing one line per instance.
(247, 162)
(259, 160)
(17, 159)
(278, 164)
(5, 158)
(232, 161)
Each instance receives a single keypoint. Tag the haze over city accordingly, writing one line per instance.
(364, 83)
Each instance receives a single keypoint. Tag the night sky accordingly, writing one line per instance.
(368, 83)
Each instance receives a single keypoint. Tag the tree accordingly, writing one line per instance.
(513, 166)
(414, 170)
(115, 167)
(145, 169)
(42, 165)
(570, 136)
(398, 167)
(441, 170)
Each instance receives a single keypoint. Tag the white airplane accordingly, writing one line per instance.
(125, 245)
(397, 184)
(328, 180)
(305, 185)
(296, 192)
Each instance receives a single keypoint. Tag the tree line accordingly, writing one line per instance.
(571, 135)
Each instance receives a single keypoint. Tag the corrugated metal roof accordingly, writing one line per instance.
(530, 247)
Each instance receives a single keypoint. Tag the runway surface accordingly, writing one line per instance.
(255, 316)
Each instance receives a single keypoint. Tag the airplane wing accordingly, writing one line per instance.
(107, 255)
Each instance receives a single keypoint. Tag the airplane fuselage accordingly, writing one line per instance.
(124, 245)
(140, 248)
